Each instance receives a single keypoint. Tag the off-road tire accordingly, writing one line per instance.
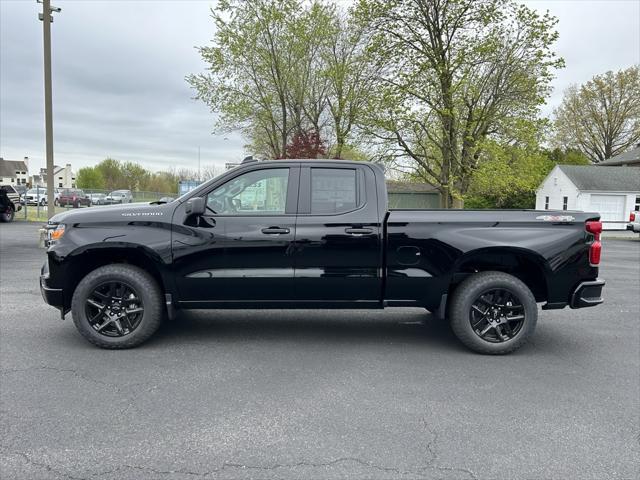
(473, 287)
(146, 287)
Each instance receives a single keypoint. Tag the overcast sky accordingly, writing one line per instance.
(119, 68)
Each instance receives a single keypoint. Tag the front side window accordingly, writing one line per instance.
(261, 192)
(333, 190)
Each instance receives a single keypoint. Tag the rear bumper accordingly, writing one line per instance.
(587, 294)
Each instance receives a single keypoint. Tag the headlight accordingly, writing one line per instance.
(55, 232)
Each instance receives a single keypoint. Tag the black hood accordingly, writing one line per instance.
(114, 213)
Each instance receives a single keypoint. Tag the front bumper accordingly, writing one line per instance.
(587, 294)
(52, 296)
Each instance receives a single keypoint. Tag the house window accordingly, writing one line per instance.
(565, 202)
(59, 178)
(546, 203)
(637, 208)
(59, 185)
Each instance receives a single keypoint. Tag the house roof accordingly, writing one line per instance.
(394, 186)
(626, 158)
(611, 179)
(8, 168)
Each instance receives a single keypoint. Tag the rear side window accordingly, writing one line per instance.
(333, 190)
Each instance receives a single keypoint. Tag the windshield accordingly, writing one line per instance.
(35, 191)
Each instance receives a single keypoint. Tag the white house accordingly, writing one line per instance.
(613, 192)
(63, 177)
(14, 172)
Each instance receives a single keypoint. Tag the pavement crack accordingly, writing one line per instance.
(74, 372)
(433, 454)
(41, 465)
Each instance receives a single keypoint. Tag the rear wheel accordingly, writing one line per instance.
(117, 306)
(493, 313)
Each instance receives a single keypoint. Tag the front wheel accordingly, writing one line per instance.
(493, 313)
(117, 306)
(8, 215)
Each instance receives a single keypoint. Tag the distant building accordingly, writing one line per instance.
(626, 159)
(14, 172)
(613, 192)
(63, 177)
(412, 195)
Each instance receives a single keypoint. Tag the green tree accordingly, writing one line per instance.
(91, 178)
(567, 157)
(111, 171)
(134, 176)
(350, 75)
(454, 74)
(507, 177)
(602, 117)
(250, 67)
(278, 69)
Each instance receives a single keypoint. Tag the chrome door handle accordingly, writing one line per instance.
(275, 230)
(358, 232)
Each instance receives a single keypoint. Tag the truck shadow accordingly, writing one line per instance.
(321, 327)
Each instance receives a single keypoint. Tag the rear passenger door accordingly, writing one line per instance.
(338, 250)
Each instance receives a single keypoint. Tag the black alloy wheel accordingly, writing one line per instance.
(497, 315)
(493, 312)
(117, 306)
(114, 309)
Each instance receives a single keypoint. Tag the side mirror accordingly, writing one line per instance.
(195, 206)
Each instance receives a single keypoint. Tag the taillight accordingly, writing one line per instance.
(632, 217)
(595, 250)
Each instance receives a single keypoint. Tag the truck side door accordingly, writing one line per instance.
(240, 251)
(338, 247)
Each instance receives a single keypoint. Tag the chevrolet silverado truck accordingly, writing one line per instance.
(316, 234)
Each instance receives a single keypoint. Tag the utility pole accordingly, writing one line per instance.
(47, 19)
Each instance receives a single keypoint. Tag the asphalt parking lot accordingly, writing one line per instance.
(317, 394)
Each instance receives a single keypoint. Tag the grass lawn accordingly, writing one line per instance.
(29, 213)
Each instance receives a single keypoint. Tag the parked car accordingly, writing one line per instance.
(36, 196)
(22, 190)
(98, 198)
(9, 203)
(634, 222)
(317, 234)
(119, 196)
(74, 197)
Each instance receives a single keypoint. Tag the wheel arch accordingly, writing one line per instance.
(89, 257)
(527, 265)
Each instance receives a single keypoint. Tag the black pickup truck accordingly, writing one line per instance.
(316, 234)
